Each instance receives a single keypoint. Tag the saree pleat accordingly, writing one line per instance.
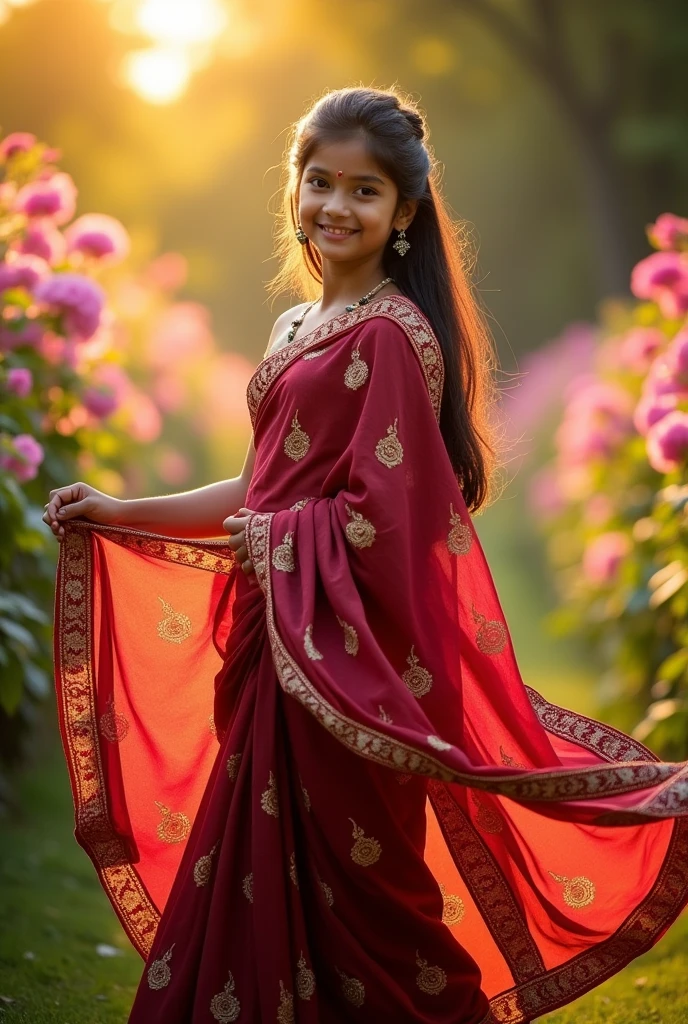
(324, 793)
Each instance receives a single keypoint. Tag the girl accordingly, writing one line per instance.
(304, 762)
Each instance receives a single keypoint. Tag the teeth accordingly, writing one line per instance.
(337, 231)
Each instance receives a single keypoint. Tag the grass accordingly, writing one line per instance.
(52, 907)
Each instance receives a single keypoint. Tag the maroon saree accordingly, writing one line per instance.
(324, 793)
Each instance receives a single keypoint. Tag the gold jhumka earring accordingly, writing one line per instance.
(301, 235)
(401, 245)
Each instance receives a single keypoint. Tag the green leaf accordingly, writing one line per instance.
(17, 632)
(18, 604)
(36, 680)
(11, 688)
(673, 667)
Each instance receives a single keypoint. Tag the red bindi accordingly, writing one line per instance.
(339, 173)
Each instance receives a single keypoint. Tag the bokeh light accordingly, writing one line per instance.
(158, 75)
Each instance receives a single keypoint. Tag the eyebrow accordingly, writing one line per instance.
(354, 177)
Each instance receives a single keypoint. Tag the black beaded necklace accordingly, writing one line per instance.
(295, 324)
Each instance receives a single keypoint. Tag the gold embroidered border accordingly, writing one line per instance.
(587, 783)
(210, 555)
(398, 308)
(94, 831)
(484, 880)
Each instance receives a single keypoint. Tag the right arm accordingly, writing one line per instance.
(190, 514)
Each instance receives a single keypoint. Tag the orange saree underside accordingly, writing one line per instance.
(324, 793)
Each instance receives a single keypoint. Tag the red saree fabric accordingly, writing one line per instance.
(324, 793)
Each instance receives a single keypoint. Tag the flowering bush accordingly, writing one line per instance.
(104, 377)
(613, 499)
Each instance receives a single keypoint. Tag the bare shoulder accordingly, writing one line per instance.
(281, 326)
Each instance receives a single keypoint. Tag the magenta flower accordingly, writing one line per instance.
(42, 239)
(19, 381)
(668, 231)
(663, 278)
(54, 197)
(30, 333)
(17, 142)
(100, 401)
(99, 236)
(22, 271)
(25, 458)
(603, 556)
(677, 356)
(639, 347)
(651, 408)
(77, 299)
(667, 442)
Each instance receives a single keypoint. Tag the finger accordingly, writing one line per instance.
(75, 508)
(241, 553)
(247, 566)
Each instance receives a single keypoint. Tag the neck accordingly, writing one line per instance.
(344, 283)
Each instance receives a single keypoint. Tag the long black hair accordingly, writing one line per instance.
(434, 273)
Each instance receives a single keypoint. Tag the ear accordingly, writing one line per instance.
(405, 214)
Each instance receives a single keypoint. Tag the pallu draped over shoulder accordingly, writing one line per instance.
(323, 793)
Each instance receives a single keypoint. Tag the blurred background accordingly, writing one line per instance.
(142, 148)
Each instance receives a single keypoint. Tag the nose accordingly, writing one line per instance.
(336, 204)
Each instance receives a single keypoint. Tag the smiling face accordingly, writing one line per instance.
(349, 216)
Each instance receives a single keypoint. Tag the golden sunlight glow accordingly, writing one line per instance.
(157, 75)
(181, 22)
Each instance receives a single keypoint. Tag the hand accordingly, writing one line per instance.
(79, 500)
(236, 526)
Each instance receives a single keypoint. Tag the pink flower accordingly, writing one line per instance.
(173, 466)
(25, 459)
(99, 236)
(77, 299)
(668, 231)
(639, 347)
(42, 239)
(651, 409)
(100, 401)
(603, 556)
(181, 334)
(663, 278)
(54, 197)
(598, 417)
(22, 271)
(30, 333)
(677, 356)
(545, 499)
(19, 381)
(667, 442)
(17, 142)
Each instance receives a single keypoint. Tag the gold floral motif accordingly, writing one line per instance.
(389, 450)
(510, 761)
(578, 892)
(283, 554)
(233, 762)
(304, 794)
(247, 887)
(361, 532)
(269, 800)
(459, 538)
(297, 443)
(438, 744)
(174, 827)
(113, 725)
(429, 979)
(292, 870)
(211, 724)
(305, 979)
(285, 1010)
(298, 505)
(453, 907)
(174, 627)
(487, 819)
(224, 1006)
(311, 650)
(352, 989)
(327, 892)
(350, 637)
(365, 851)
(492, 636)
(384, 717)
(159, 973)
(357, 370)
(203, 867)
(418, 679)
